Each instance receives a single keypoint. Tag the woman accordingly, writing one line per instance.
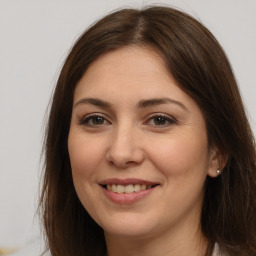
(148, 149)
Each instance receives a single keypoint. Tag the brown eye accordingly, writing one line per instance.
(97, 120)
(160, 120)
(94, 120)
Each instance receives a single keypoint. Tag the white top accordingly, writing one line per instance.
(217, 252)
(34, 249)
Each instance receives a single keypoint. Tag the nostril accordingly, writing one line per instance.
(122, 164)
(124, 155)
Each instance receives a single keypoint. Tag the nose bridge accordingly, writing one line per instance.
(124, 148)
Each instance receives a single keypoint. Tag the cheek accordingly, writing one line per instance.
(180, 155)
(183, 161)
(85, 155)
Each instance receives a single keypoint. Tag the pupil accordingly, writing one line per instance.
(98, 120)
(160, 120)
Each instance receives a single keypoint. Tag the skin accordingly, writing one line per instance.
(128, 141)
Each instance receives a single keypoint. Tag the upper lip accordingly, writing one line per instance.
(127, 181)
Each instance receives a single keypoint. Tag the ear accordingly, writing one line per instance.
(217, 161)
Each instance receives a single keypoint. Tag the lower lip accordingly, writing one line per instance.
(129, 198)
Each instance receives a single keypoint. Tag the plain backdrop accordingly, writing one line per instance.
(35, 37)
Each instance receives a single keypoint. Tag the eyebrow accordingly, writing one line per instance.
(141, 104)
(93, 101)
(159, 101)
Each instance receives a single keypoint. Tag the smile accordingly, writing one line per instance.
(127, 191)
(130, 188)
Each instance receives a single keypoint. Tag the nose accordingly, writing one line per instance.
(125, 148)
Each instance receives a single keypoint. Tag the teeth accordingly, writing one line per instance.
(114, 188)
(119, 189)
(128, 188)
(143, 187)
(136, 188)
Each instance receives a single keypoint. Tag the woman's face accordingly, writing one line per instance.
(138, 146)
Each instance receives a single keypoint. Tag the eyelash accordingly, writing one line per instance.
(85, 120)
(165, 118)
(92, 117)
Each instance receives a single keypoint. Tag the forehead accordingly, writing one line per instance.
(127, 61)
(129, 74)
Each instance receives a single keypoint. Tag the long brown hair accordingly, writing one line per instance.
(199, 65)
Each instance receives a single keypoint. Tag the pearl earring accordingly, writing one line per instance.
(218, 172)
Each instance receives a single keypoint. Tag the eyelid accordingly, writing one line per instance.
(83, 120)
(172, 120)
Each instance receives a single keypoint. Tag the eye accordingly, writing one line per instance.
(94, 120)
(161, 120)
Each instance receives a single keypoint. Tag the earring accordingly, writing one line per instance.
(218, 172)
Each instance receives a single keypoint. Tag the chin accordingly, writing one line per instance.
(129, 226)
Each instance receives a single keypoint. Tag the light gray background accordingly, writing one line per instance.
(35, 37)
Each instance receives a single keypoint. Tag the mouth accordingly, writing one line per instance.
(128, 189)
(127, 186)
